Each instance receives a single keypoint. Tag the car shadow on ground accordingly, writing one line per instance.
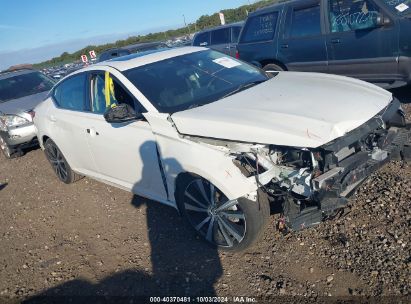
(182, 264)
(2, 186)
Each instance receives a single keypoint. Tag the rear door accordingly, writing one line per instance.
(68, 121)
(358, 46)
(302, 43)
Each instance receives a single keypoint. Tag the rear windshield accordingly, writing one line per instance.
(260, 28)
(23, 85)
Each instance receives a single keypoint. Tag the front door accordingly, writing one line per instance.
(358, 46)
(302, 46)
(124, 153)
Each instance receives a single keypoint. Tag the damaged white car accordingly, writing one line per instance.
(220, 139)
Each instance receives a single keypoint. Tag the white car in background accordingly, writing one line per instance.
(219, 139)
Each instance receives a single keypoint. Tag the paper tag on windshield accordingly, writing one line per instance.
(401, 7)
(227, 62)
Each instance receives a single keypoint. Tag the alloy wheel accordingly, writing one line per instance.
(57, 161)
(221, 221)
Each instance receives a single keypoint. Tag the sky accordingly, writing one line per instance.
(32, 31)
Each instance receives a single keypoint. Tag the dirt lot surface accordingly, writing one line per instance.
(92, 239)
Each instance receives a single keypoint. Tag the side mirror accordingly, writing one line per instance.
(121, 113)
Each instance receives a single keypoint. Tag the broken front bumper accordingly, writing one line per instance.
(338, 183)
(22, 136)
(349, 161)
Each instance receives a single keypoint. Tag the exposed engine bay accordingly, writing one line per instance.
(312, 184)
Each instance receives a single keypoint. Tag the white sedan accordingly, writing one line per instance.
(219, 139)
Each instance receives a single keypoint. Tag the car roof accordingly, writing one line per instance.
(135, 60)
(132, 47)
(275, 6)
(11, 73)
(240, 23)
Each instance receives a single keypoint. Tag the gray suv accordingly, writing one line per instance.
(20, 92)
(222, 38)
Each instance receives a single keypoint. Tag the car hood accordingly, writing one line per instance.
(291, 109)
(23, 104)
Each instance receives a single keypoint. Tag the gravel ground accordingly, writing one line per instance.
(92, 239)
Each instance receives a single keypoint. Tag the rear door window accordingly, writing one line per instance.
(306, 21)
(202, 39)
(235, 33)
(260, 28)
(70, 94)
(220, 36)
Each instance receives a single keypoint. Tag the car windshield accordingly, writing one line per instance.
(193, 80)
(400, 7)
(23, 85)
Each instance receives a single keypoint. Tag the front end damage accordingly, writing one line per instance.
(312, 184)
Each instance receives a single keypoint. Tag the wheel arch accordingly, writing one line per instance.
(235, 185)
(42, 140)
(273, 61)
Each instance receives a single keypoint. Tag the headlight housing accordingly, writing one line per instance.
(9, 121)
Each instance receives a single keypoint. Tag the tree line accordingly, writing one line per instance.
(205, 21)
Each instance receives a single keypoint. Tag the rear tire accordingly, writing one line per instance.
(273, 67)
(229, 225)
(59, 163)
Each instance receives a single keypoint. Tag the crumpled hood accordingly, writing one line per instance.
(291, 109)
(23, 104)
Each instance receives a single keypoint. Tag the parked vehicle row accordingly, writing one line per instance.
(58, 72)
(130, 49)
(220, 139)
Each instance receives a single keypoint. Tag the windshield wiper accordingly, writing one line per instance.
(242, 87)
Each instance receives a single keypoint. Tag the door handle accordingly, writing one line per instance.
(52, 118)
(284, 46)
(229, 47)
(335, 41)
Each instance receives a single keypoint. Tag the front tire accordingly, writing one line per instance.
(232, 225)
(8, 151)
(59, 163)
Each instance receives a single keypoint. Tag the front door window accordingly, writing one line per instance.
(352, 15)
(106, 92)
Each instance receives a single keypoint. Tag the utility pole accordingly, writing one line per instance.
(185, 24)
